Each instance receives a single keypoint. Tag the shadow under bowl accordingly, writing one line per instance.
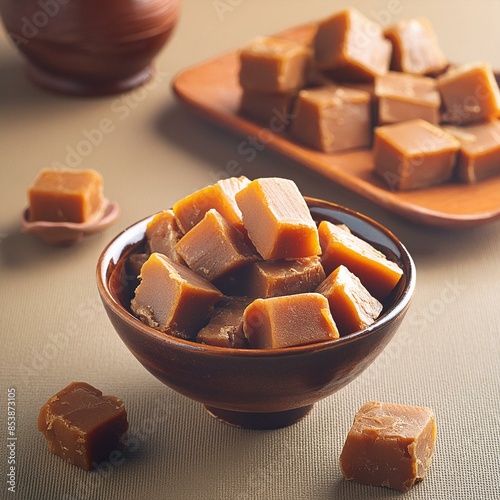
(252, 388)
(89, 47)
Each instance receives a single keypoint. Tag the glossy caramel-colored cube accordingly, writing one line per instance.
(83, 426)
(288, 320)
(479, 154)
(389, 445)
(332, 119)
(192, 208)
(273, 278)
(163, 233)
(352, 306)
(404, 97)
(271, 64)
(65, 196)
(470, 93)
(173, 299)
(272, 109)
(340, 247)
(414, 154)
(277, 219)
(415, 48)
(214, 248)
(351, 47)
(225, 328)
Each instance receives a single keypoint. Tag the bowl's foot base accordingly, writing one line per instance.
(73, 86)
(248, 420)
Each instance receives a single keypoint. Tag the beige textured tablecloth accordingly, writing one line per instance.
(53, 329)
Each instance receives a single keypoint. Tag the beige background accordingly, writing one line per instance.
(53, 329)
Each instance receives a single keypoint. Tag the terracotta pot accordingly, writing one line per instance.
(90, 47)
(255, 388)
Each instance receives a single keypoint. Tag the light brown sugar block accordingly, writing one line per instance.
(66, 196)
(270, 64)
(378, 274)
(332, 119)
(288, 321)
(470, 93)
(163, 233)
(351, 47)
(351, 305)
(479, 154)
(173, 299)
(414, 154)
(415, 47)
(213, 247)
(404, 97)
(277, 219)
(272, 109)
(389, 445)
(365, 87)
(225, 328)
(273, 278)
(220, 196)
(83, 426)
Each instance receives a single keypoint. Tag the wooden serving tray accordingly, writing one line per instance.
(212, 90)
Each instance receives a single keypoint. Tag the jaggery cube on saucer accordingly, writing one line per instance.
(59, 195)
(65, 205)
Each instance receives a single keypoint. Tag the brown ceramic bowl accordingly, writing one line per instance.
(249, 387)
(89, 47)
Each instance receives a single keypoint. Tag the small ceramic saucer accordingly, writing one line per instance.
(68, 233)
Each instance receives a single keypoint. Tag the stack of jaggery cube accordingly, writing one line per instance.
(349, 83)
(243, 264)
